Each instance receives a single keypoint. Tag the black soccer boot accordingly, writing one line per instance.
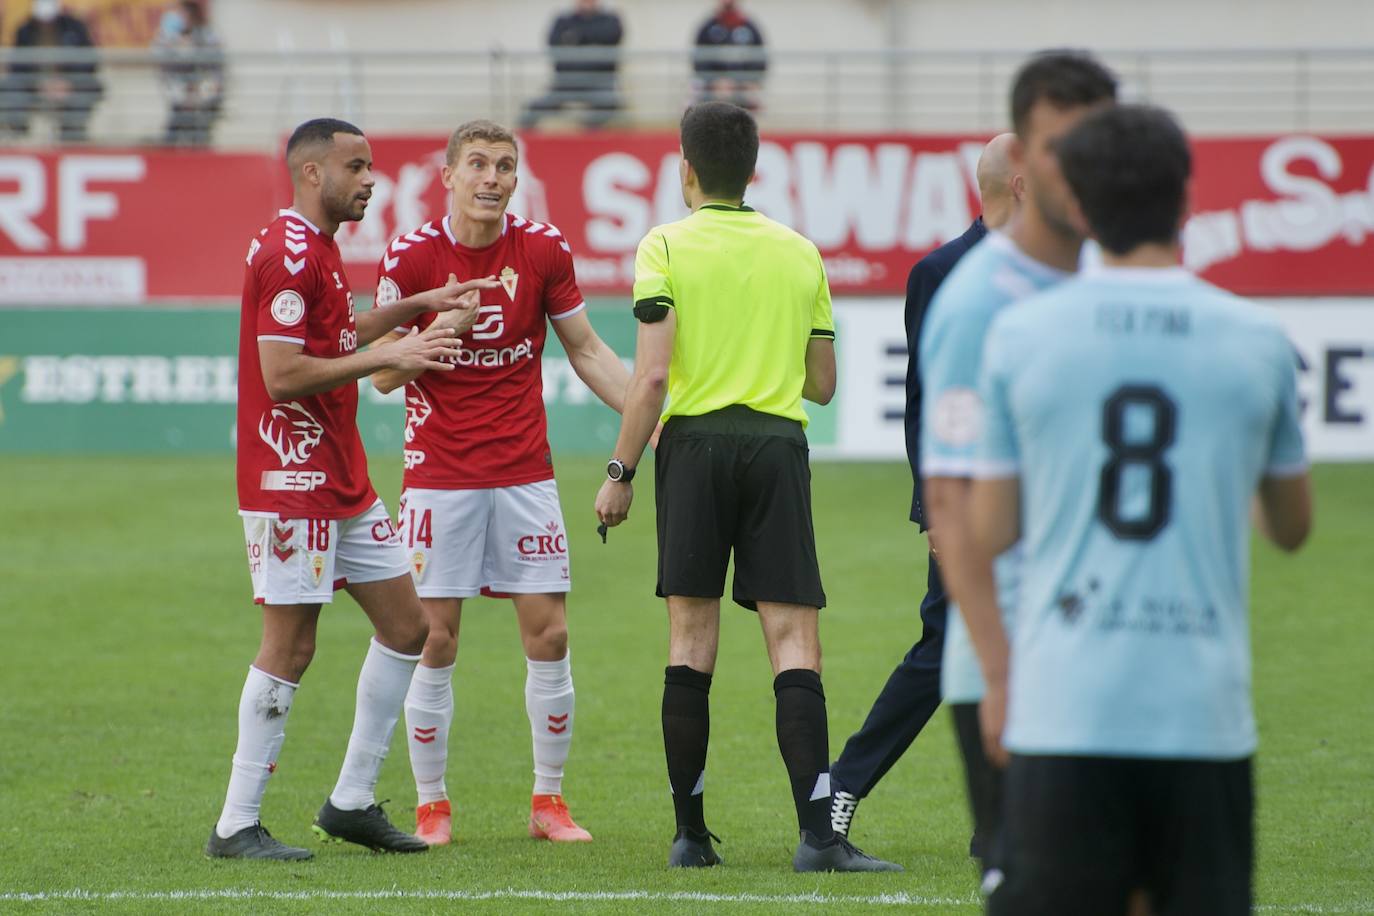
(836, 855)
(253, 843)
(843, 806)
(368, 827)
(693, 850)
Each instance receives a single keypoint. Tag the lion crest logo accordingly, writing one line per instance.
(291, 432)
(417, 412)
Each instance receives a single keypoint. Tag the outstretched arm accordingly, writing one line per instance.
(594, 362)
(643, 404)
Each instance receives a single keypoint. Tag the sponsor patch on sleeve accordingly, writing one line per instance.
(387, 292)
(288, 307)
(958, 417)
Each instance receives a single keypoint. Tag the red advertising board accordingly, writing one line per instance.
(1286, 215)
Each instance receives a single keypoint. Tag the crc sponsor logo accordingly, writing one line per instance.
(293, 481)
(491, 320)
(290, 431)
(418, 410)
(552, 544)
(414, 458)
(384, 532)
(492, 357)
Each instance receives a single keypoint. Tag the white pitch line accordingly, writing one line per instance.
(510, 893)
(899, 899)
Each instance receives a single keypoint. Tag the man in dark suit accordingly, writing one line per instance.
(912, 692)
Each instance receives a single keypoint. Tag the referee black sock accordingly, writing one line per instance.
(686, 731)
(803, 739)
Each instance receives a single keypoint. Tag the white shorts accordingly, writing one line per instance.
(504, 540)
(303, 560)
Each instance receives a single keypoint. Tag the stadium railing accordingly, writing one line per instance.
(1214, 92)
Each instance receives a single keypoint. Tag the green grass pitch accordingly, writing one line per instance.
(126, 627)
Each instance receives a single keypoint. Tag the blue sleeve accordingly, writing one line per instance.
(998, 454)
(1287, 457)
(950, 352)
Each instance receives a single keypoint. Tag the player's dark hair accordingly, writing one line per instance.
(1065, 79)
(318, 130)
(721, 142)
(1128, 166)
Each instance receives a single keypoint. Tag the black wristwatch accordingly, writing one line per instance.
(617, 471)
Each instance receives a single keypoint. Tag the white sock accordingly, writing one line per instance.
(382, 686)
(429, 716)
(549, 703)
(263, 707)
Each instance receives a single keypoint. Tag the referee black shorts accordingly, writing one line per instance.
(736, 479)
(1081, 834)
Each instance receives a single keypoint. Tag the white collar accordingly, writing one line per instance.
(292, 214)
(448, 229)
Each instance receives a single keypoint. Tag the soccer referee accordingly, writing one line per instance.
(735, 328)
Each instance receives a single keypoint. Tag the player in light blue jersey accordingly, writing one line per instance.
(1131, 415)
(1050, 94)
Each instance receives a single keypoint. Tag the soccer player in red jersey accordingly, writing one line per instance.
(479, 507)
(312, 521)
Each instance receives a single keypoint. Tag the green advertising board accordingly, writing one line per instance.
(165, 380)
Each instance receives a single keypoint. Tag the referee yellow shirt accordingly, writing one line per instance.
(749, 293)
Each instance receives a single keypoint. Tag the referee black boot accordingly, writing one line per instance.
(693, 850)
(837, 854)
(367, 827)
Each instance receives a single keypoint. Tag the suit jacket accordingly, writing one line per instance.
(924, 280)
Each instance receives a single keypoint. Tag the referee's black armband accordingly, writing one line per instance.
(653, 309)
(825, 333)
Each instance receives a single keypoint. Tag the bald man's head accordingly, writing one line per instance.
(1000, 188)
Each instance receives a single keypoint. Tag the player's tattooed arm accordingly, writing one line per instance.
(595, 363)
(289, 372)
(377, 322)
(458, 320)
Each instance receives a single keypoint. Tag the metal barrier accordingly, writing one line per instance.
(870, 90)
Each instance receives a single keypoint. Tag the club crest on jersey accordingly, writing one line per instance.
(317, 568)
(419, 563)
(291, 432)
(509, 279)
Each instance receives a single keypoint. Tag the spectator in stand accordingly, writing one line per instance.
(582, 78)
(192, 62)
(61, 84)
(730, 61)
